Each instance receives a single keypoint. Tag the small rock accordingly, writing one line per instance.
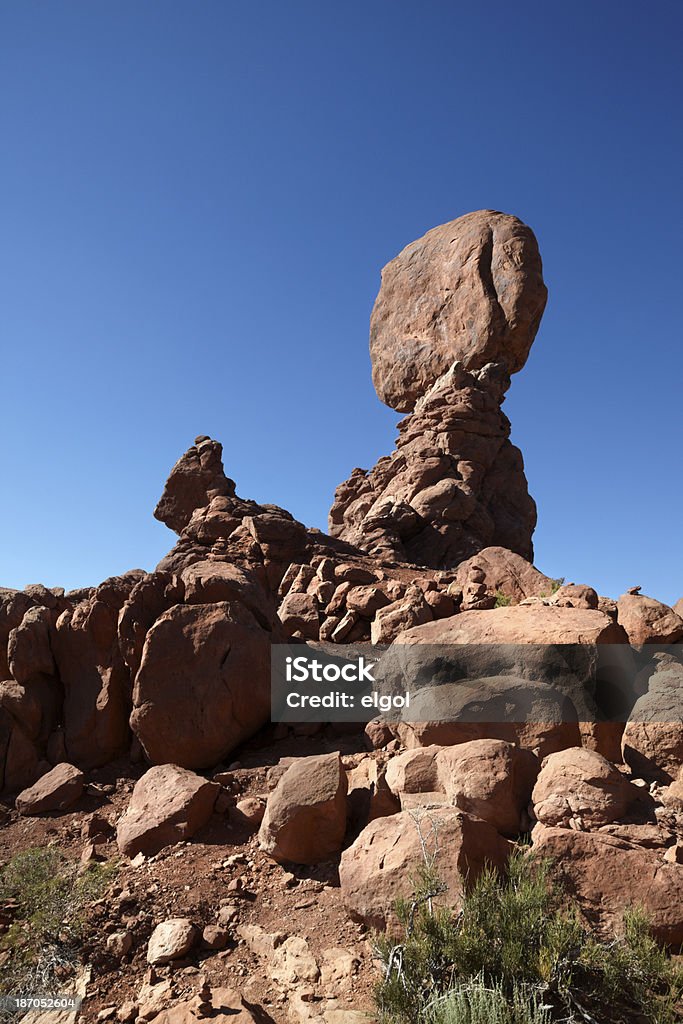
(215, 937)
(171, 940)
(119, 943)
(251, 809)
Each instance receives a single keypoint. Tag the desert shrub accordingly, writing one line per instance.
(502, 600)
(50, 897)
(474, 1002)
(518, 948)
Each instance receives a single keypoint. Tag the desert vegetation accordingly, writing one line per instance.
(518, 952)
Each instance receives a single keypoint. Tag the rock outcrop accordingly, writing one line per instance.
(456, 314)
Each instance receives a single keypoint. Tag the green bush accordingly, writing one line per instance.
(51, 896)
(502, 600)
(476, 1003)
(517, 942)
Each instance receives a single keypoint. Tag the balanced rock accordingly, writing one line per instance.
(581, 784)
(471, 290)
(305, 816)
(168, 804)
(54, 791)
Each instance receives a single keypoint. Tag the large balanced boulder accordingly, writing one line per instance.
(470, 290)
(381, 865)
(606, 874)
(305, 817)
(57, 790)
(203, 685)
(168, 804)
(581, 785)
(647, 621)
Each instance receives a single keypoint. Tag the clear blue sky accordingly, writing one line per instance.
(197, 199)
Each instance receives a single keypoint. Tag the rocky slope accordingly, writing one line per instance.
(251, 859)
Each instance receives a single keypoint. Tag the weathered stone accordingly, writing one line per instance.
(95, 677)
(607, 874)
(171, 940)
(207, 667)
(490, 779)
(54, 791)
(470, 290)
(579, 783)
(379, 866)
(647, 621)
(168, 804)
(305, 817)
(196, 478)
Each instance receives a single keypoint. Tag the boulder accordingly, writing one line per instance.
(414, 771)
(299, 613)
(207, 667)
(226, 1004)
(652, 741)
(582, 785)
(393, 619)
(171, 940)
(647, 621)
(507, 573)
(168, 804)
(573, 595)
(380, 866)
(490, 779)
(57, 790)
(305, 817)
(606, 874)
(208, 582)
(520, 624)
(470, 290)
